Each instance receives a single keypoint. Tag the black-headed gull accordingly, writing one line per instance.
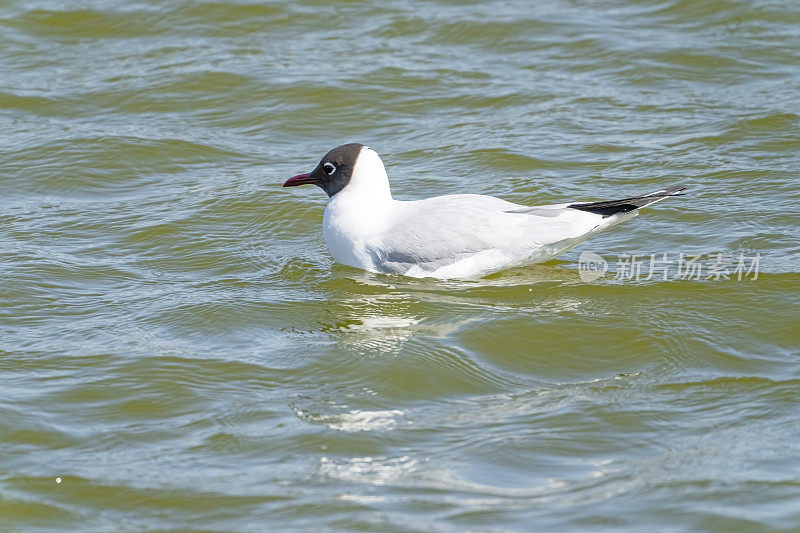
(453, 236)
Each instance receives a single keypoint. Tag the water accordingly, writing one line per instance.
(177, 347)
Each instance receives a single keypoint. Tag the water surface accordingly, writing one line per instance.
(178, 348)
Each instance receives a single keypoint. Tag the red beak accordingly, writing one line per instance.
(300, 179)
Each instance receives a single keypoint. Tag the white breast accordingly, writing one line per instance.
(345, 242)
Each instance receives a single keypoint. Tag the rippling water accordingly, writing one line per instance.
(179, 350)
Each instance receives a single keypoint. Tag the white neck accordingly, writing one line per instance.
(368, 182)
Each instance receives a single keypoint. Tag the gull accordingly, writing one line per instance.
(454, 236)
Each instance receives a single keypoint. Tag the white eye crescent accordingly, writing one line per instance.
(329, 168)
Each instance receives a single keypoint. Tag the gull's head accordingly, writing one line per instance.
(352, 168)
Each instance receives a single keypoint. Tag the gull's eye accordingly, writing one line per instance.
(329, 168)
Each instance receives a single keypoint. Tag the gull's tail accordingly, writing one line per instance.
(613, 207)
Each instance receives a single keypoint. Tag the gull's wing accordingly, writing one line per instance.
(447, 235)
(437, 232)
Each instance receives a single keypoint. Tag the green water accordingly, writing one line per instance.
(177, 346)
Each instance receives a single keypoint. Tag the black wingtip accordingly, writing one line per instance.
(613, 207)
